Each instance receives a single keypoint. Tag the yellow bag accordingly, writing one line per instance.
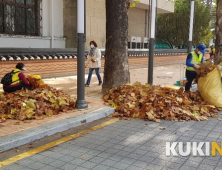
(210, 88)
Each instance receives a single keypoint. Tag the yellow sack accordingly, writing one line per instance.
(210, 88)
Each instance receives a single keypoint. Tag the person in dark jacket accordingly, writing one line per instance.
(19, 80)
(193, 60)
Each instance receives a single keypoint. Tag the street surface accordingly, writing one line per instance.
(121, 145)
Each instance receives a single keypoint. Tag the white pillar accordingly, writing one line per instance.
(52, 23)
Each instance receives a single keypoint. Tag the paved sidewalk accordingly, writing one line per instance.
(129, 145)
(163, 75)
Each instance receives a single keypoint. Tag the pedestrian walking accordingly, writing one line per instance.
(93, 62)
(17, 80)
(193, 60)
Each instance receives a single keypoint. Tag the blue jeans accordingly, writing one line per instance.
(90, 75)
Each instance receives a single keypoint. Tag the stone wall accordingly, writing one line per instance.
(136, 22)
(96, 22)
(69, 14)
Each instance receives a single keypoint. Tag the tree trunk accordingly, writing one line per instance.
(116, 69)
(218, 31)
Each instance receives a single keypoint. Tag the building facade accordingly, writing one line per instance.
(52, 23)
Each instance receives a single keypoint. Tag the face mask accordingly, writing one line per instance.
(91, 45)
(199, 52)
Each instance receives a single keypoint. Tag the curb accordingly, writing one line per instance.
(21, 138)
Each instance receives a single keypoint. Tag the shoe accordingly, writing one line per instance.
(100, 83)
(87, 85)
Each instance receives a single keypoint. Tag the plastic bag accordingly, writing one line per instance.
(210, 88)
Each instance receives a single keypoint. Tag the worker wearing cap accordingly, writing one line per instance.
(193, 60)
(19, 80)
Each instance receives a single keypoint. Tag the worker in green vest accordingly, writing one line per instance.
(193, 60)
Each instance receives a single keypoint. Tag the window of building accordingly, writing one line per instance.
(129, 45)
(133, 45)
(20, 17)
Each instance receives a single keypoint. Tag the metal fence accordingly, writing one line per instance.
(17, 54)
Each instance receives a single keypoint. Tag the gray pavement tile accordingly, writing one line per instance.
(25, 161)
(121, 165)
(153, 167)
(66, 158)
(113, 168)
(77, 161)
(217, 168)
(196, 158)
(68, 166)
(108, 144)
(100, 167)
(104, 155)
(185, 167)
(57, 163)
(91, 146)
(116, 158)
(134, 156)
(192, 164)
(146, 159)
(122, 153)
(46, 160)
(141, 164)
(140, 151)
(173, 165)
(65, 151)
(108, 162)
(75, 154)
(56, 149)
(13, 166)
(48, 167)
(36, 165)
(56, 155)
(205, 167)
(210, 162)
(94, 152)
(98, 142)
(134, 168)
(97, 159)
(128, 160)
(180, 160)
(89, 165)
(159, 162)
(112, 150)
(46, 153)
(129, 149)
(36, 157)
(152, 154)
(114, 141)
(81, 168)
(101, 148)
(83, 150)
(117, 146)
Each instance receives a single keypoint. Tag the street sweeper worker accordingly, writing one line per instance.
(194, 58)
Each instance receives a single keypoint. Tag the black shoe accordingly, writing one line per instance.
(100, 83)
(87, 85)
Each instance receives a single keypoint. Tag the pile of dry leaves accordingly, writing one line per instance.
(205, 68)
(155, 103)
(37, 103)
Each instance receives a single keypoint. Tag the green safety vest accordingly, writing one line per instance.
(195, 60)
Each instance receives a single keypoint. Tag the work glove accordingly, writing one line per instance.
(196, 66)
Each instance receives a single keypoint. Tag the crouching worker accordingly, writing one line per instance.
(193, 60)
(18, 79)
